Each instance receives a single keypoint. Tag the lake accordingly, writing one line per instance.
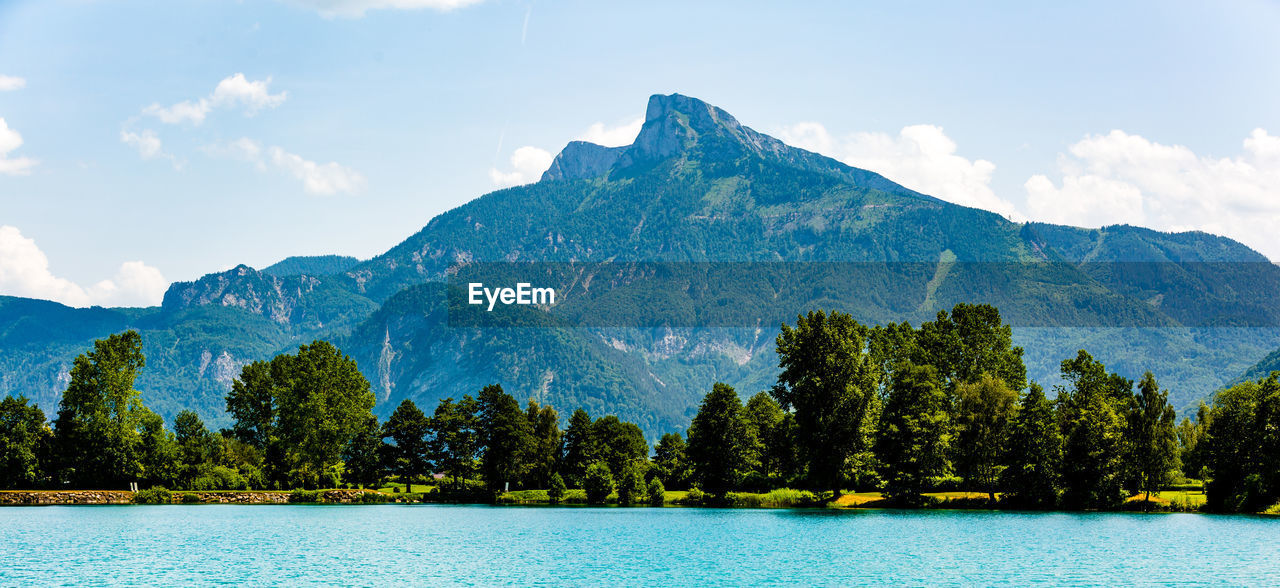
(481, 545)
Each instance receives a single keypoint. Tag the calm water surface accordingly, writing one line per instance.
(477, 545)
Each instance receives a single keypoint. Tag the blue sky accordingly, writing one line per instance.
(147, 142)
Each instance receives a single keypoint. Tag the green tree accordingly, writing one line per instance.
(455, 438)
(579, 448)
(772, 452)
(631, 487)
(158, 452)
(1090, 412)
(829, 381)
(302, 411)
(196, 446)
(1239, 446)
(24, 444)
(556, 489)
(719, 445)
(915, 433)
(1034, 453)
(618, 443)
(598, 483)
(98, 428)
(657, 494)
(671, 461)
(1152, 440)
(407, 456)
(506, 437)
(969, 342)
(1190, 435)
(545, 454)
(363, 457)
(984, 411)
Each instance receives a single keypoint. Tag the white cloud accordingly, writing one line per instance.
(1123, 178)
(920, 157)
(624, 134)
(232, 91)
(10, 83)
(24, 271)
(527, 162)
(357, 8)
(9, 141)
(318, 178)
(148, 145)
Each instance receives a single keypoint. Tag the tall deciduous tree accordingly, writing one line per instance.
(455, 438)
(671, 461)
(24, 444)
(618, 443)
(547, 445)
(1091, 415)
(197, 447)
(915, 432)
(984, 410)
(719, 444)
(970, 341)
(1240, 447)
(829, 381)
(1152, 440)
(100, 418)
(363, 457)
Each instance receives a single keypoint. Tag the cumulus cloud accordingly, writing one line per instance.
(148, 145)
(318, 178)
(24, 271)
(624, 134)
(920, 157)
(233, 91)
(527, 165)
(357, 8)
(10, 140)
(10, 83)
(1123, 178)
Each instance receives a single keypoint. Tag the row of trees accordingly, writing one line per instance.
(895, 408)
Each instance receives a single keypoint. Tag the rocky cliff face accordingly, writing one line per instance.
(580, 160)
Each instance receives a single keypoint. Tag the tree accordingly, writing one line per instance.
(969, 342)
(657, 494)
(829, 381)
(598, 483)
(719, 445)
(556, 489)
(158, 452)
(915, 432)
(363, 457)
(302, 411)
(772, 453)
(196, 447)
(546, 443)
(618, 443)
(407, 456)
(24, 444)
(1153, 443)
(455, 438)
(1034, 453)
(670, 461)
(631, 487)
(1090, 413)
(983, 413)
(98, 427)
(579, 448)
(1190, 437)
(1239, 447)
(506, 437)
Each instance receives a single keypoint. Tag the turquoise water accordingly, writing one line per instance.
(420, 545)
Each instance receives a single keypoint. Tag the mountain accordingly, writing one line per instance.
(695, 186)
(1262, 369)
(315, 265)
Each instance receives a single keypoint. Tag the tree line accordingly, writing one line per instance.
(894, 408)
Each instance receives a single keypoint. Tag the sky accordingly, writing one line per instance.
(148, 142)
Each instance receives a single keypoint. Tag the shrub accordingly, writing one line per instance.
(190, 499)
(303, 496)
(153, 495)
(219, 478)
(786, 497)
(598, 483)
(694, 497)
(556, 493)
(373, 498)
(657, 493)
